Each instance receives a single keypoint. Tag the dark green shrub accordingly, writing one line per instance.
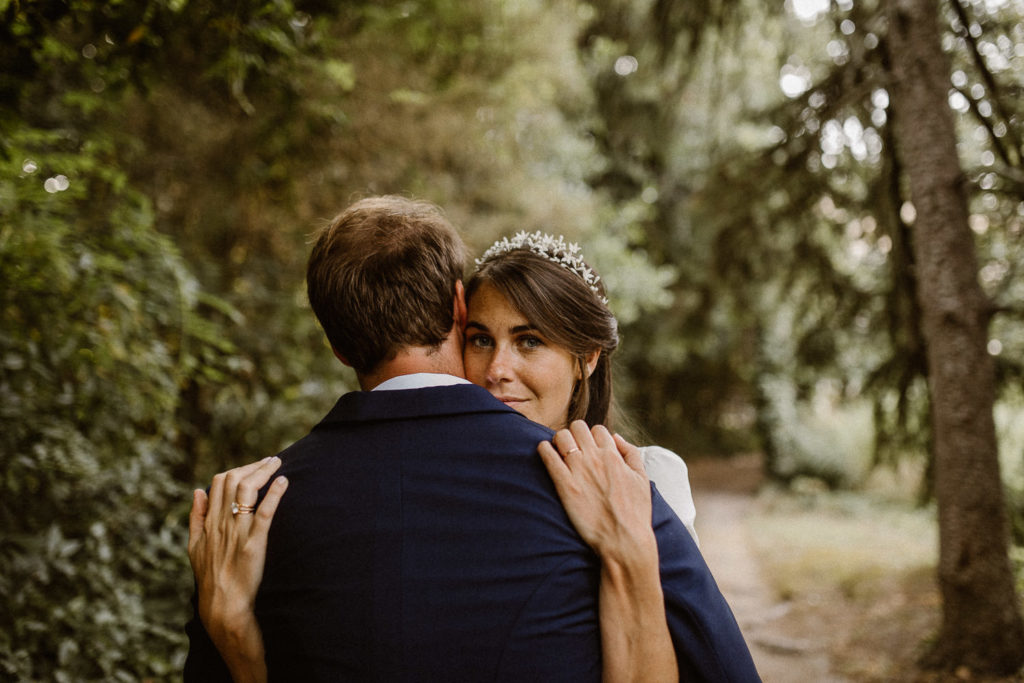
(101, 325)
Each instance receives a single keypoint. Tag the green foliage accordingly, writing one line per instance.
(165, 161)
(1010, 430)
(817, 437)
(105, 335)
(102, 327)
(813, 421)
(762, 143)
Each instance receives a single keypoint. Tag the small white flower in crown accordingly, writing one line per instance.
(555, 249)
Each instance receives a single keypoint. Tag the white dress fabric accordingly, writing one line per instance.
(668, 472)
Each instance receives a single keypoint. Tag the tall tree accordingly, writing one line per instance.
(792, 225)
(981, 626)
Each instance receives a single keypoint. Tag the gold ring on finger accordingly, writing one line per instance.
(239, 509)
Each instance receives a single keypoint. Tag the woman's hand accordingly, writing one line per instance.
(227, 546)
(604, 489)
(602, 484)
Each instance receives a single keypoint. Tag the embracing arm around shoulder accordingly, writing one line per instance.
(601, 482)
(227, 547)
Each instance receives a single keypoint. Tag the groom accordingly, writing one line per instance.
(421, 537)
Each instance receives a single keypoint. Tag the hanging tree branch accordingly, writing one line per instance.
(990, 84)
(997, 142)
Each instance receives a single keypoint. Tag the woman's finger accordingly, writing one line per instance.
(564, 441)
(215, 502)
(581, 433)
(196, 519)
(249, 486)
(237, 475)
(557, 469)
(631, 455)
(231, 482)
(268, 506)
(602, 437)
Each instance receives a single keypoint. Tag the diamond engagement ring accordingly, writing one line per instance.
(237, 508)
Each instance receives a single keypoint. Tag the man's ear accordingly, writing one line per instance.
(459, 312)
(340, 357)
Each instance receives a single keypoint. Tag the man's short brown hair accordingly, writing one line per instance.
(382, 277)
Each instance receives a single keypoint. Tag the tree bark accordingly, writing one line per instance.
(981, 621)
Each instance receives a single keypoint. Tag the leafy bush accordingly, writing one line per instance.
(820, 437)
(1010, 429)
(101, 326)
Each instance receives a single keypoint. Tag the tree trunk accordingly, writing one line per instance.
(981, 622)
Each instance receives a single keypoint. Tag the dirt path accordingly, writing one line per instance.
(723, 495)
(847, 608)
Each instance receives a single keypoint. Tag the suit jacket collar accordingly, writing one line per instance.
(363, 406)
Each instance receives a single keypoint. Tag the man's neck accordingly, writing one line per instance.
(445, 360)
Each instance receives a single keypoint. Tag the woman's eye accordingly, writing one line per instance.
(480, 341)
(531, 342)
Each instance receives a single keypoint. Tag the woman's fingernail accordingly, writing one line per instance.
(281, 481)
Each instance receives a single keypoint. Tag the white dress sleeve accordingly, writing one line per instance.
(668, 472)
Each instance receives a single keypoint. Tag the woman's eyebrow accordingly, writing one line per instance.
(518, 329)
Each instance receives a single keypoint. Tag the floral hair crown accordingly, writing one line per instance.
(554, 249)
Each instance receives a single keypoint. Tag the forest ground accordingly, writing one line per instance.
(829, 588)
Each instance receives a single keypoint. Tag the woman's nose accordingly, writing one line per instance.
(500, 367)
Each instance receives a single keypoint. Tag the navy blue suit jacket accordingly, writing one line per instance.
(421, 539)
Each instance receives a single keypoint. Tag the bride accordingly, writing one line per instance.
(539, 336)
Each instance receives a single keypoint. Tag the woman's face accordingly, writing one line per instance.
(510, 358)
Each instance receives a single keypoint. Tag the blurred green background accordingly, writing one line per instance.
(727, 167)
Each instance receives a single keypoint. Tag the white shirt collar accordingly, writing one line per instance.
(419, 380)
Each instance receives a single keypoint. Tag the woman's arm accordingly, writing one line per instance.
(602, 484)
(227, 549)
